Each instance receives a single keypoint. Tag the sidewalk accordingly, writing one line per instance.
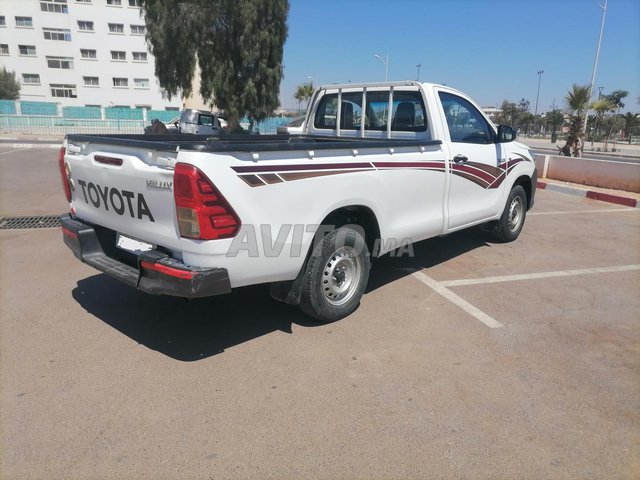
(622, 149)
(619, 197)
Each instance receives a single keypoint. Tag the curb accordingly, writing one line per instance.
(579, 192)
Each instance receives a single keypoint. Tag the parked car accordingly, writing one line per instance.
(378, 166)
(294, 127)
(197, 122)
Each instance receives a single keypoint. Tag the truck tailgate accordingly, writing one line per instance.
(127, 190)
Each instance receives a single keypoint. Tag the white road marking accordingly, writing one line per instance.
(534, 276)
(568, 212)
(13, 151)
(458, 301)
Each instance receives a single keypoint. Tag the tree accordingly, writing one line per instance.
(631, 121)
(9, 86)
(238, 45)
(304, 93)
(555, 118)
(616, 97)
(577, 101)
(509, 114)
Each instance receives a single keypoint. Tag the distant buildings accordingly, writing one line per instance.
(492, 112)
(80, 53)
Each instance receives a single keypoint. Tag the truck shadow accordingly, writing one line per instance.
(191, 331)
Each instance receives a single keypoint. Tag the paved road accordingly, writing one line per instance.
(591, 155)
(100, 381)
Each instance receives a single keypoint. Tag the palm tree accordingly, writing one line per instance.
(303, 93)
(602, 106)
(631, 121)
(577, 100)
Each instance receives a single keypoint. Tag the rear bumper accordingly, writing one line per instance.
(156, 272)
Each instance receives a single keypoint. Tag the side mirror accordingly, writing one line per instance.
(505, 134)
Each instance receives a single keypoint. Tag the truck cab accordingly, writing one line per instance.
(199, 122)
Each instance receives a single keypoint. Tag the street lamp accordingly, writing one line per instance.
(595, 63)
(540, 72)
(385, 60)
(418, 67)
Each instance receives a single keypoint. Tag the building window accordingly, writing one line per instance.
(172, 109)
(114, 2)
(54, 6)
(3, 21)
(138, 29)
(63, 91)
(140, 83)
(65, 63)
(31, 79)
(27, 50)
(83, 1)
(116, 28)
(85, 53)
(59, 34)
(91, 81)
(25, 22)
(85, 26)
(120, 82)
(143, 107)
(139, 56)
(4, 49)
(135, 3)
(118, 56)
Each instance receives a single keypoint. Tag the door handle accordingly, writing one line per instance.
(460, 159)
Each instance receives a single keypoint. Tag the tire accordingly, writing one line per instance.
(336, 275)
(512, 220)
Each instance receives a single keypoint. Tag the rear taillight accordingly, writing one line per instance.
(203, 213)
(65, 174)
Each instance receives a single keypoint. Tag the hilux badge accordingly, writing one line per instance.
(157, 185)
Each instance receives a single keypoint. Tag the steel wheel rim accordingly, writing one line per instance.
(341, 276)
(516, 213)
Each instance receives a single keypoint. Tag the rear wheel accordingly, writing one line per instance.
(336, 275)
(512, 220)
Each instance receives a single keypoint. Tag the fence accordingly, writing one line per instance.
(47, 118)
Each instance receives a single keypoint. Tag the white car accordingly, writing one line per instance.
(294, 127)
(379, 166)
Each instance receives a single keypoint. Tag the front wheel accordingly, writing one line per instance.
(336, 275)
(512, 220)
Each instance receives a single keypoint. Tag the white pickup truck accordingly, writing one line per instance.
(378, 165)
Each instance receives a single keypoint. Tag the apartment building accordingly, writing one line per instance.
(80, 53)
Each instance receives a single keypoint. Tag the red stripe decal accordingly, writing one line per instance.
(439, 164)
(487, 177)
(308, 166)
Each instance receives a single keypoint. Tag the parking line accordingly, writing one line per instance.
(535, 276)
(438, 287)
(13, 151)
(568, 212)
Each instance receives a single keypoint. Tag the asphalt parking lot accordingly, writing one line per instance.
(469, 360)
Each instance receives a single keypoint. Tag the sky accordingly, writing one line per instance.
(489, 49)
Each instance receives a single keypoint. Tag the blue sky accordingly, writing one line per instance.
(491, 50)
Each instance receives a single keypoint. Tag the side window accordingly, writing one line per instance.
(466, 124)
(408, 112)
(205, 120)
(350, 115)
(327, 112)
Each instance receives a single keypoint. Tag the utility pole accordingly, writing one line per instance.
(540, 72)
(595, 64)
(418, 67)
(384, 60)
